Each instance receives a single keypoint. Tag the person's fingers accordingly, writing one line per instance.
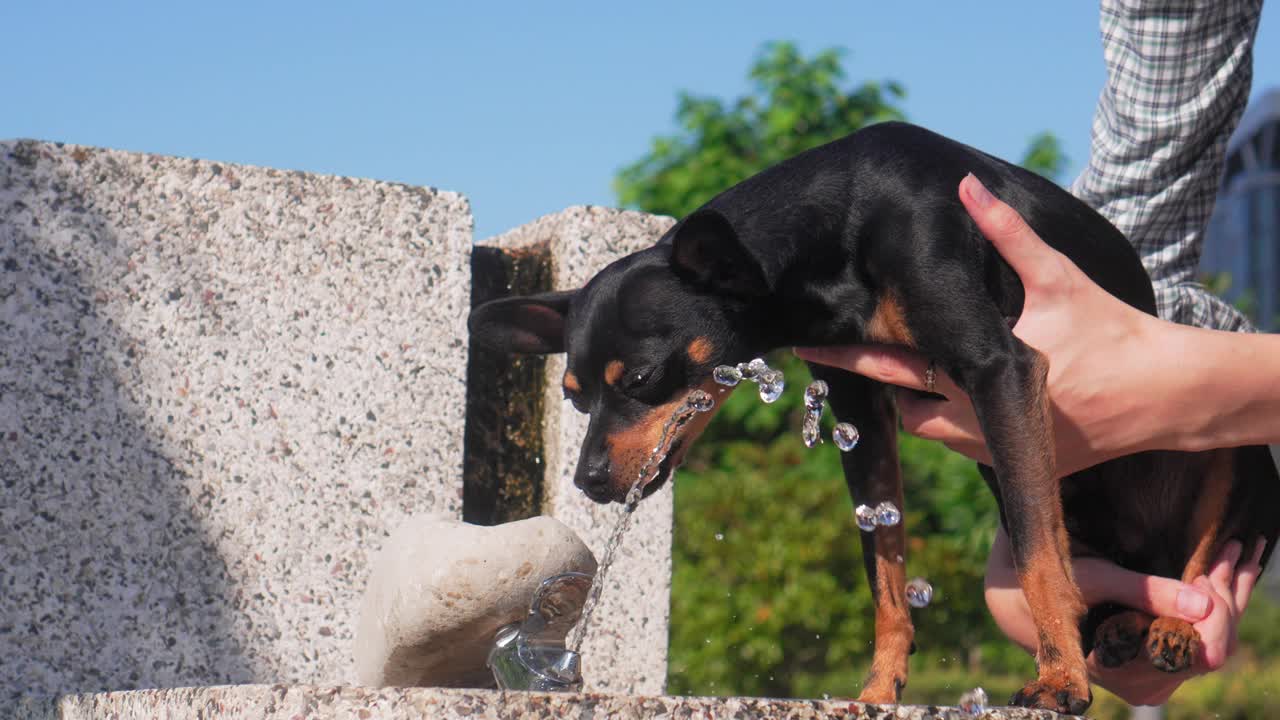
(1216, 630)
(1223, 570)
(1104, 581)
(1247, 576)
(951, 422)
(1031, 258)
(885, 363)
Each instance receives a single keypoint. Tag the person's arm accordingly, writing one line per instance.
(1120, 381)
(1178, 77)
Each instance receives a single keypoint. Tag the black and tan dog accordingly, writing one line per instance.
(864, 240)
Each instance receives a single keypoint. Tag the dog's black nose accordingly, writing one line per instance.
(594, 480)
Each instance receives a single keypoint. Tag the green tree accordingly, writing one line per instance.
(768, 590)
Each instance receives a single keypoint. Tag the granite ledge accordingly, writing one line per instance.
(281, 702)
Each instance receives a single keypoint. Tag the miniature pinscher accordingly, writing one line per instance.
(863, 240)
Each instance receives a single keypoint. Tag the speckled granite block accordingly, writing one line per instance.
(220, 386)
(626, 650)
(350, 703)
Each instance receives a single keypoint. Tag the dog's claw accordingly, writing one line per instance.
(1044, 696)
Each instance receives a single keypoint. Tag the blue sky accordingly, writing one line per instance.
(524, 107)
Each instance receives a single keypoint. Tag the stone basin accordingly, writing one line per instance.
(280, 702)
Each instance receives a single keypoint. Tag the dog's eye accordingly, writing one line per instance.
(637, 379)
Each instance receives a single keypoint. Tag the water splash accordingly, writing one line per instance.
(752, 370)
(816, 394)
(865, 516)
(845, 436)
(973, 703)
(919, 593)
(772, 383)
(887, 514)
(727, 375)
(815, 397)
(694, 403)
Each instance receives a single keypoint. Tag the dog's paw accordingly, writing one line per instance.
(1172, 644)
(1120, 637)
(1060, 697)
(882, 692)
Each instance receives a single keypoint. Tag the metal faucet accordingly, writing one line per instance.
(531, 655)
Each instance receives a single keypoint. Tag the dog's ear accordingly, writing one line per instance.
(532, 324)
(705, 251)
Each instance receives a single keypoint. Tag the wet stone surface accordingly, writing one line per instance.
(278, 702)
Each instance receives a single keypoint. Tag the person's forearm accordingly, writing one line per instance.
(1223, 389)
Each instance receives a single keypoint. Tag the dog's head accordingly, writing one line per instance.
(640, 336)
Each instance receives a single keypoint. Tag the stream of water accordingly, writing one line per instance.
(696, 402)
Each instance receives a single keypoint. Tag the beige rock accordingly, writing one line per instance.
(441, 589)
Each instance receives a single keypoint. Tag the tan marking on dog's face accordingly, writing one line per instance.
(629, 449)
(571, 383)
(700, 350)
(613, 372)
(889, 323)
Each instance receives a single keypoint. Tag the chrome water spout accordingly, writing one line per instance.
(531, 655)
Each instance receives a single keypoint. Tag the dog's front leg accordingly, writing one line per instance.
(873, 476)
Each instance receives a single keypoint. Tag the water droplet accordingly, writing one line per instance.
(815, 395)
(700, 401)
(974, 702)
(887, 514)
(772, 384)
(811, 430)
(719, 537)
(752, 370)
(919, 593)
(727, 375)
(865, 516)
(845, 436)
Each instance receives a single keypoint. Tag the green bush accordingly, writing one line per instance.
(769, 594)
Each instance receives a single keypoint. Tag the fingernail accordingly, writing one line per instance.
(1192, 603)
(979, 193)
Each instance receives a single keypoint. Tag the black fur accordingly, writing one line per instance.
(801, 254)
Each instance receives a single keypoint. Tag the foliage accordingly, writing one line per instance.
(796, 104)
(1045, 156)
(769, 594)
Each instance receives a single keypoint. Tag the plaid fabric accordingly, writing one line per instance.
(1178, 76)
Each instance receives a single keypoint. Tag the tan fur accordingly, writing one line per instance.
(571, 383)
(613, 372)
(889, 323)
(700, 350)
(629, 449)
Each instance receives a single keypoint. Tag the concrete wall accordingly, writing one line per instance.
(220, 386)
(627, 650)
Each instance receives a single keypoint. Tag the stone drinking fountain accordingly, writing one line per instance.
(245, 454)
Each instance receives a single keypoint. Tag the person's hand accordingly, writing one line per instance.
(1100, 353)
(1213, 604)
